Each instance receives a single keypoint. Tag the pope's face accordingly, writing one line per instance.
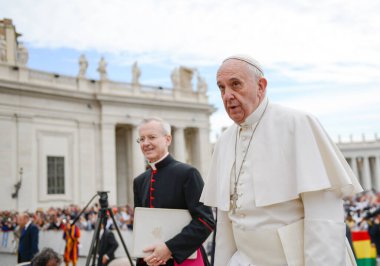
(153, 142)
(240, 91)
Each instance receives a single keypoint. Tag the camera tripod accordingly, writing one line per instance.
(102, 219)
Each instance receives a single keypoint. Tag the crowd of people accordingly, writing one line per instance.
(362, 210)
(363, 214)
(56, 219)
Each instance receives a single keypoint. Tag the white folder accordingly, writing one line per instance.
(157, 225)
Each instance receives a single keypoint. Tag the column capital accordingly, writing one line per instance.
(377, 173)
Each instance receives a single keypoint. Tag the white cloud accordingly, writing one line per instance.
(274, 31)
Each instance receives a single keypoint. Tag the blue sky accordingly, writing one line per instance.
(319, 56)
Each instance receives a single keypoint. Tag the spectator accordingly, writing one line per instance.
(28, 245)
(54, 223)
(124, 219)
(47, 257)
(6, 227)
(374, 232)
(107, 247)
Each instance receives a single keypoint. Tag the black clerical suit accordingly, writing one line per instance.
(175, 185)
(107, 246)
(28, 245)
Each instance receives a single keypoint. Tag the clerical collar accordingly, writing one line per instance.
(157, 164)
(255, 115)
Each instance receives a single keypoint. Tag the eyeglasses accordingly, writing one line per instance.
(149, 138)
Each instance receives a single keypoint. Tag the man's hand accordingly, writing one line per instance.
(160, 254)
(104, 259)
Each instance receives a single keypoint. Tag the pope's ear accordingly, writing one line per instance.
(262, 86)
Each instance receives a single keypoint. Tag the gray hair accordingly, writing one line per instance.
(166, 128)
(44, 256)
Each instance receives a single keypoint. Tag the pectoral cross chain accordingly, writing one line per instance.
(234, 198)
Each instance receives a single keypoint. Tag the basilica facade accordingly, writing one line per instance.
(364, 159)
(63, 138)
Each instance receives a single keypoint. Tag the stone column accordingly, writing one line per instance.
(179, 144)
(377, 172)
(86, 184)
(354, 167)
(366, 174)
(203, 150)
(122, 165)
(138, 160)
(108, 155)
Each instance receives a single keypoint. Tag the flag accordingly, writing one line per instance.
(365, 252)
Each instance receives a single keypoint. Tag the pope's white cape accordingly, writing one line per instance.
(291, 154)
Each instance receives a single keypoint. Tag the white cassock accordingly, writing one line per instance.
(291, 184)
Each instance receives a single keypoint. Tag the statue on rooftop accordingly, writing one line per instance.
(102, 69)
(186, 76)
(136, 73)
(201, 84)
(83, 65)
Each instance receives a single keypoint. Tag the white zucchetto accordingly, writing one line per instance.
(246, 59)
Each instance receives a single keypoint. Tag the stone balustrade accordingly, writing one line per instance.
(23, 75)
